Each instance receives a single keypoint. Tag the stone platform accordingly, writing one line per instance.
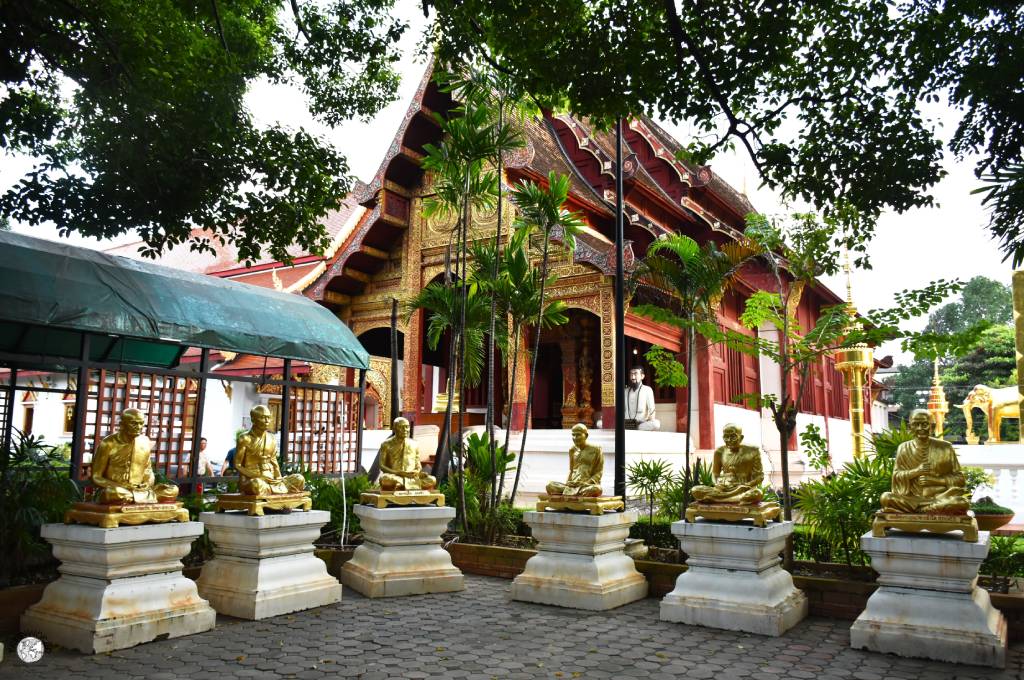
(401, 553)
(733, 580)
(118, 587)
(264, 565)
(581, 561)
(928, 604)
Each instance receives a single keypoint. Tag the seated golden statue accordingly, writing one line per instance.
(256, 460)
(736, 494)
(121, 467)
(586, 464)
(400, 468)
(926, 478)
(737, 470)
(582, 489)
(126, 488)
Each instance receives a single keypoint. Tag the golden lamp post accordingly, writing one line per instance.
(855, 363)
(938, 407)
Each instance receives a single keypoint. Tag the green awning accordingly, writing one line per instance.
(143, 313)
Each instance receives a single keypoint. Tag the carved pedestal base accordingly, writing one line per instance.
(733, 579)
(382, 499)
(928, 604)
(265, 566)
(401, 553)
(119, 587)
(595, 505)
(110, 516)
(935, 524)
(761, 513)
(580, 562)
(255, 505)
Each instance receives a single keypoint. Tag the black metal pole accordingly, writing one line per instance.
(620, 324)
(197, 422)
(81, 403)
(286, 404)
(395, 410)
(359, 427)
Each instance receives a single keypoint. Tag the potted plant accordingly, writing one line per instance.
(989, 514)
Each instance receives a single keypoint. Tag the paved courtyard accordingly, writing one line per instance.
(479, 635)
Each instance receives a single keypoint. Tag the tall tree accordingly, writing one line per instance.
(822, 97)
(982, 300)
(135, 114)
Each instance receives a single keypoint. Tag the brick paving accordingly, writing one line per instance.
(479, 635)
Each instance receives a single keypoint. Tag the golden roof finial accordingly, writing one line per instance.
(935, 377)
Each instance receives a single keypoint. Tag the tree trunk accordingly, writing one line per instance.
(533, 366)
(461, 445)
(441, 454)
(511, 398)
(489, 419)
(689, 420)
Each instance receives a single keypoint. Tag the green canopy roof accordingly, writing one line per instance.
(142, 313)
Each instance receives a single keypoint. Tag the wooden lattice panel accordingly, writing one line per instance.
(321, 430)
(169, 403)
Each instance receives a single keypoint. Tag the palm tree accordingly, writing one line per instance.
(516, 292)
(687, 282)
(541, 212)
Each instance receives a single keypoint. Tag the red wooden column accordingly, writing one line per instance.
(705, 400)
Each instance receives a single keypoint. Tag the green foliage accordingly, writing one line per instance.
(137, 117)
(673, 493)
(668, 371)
(884, 443)
(982, 299)
(656, 533)
(326, 494)
(987, 506)
(1005, 560)
(473, 491)
(815, 447)
(975, 478)
(838, 509)
(649, 477)
(810, 546)
(35, 489)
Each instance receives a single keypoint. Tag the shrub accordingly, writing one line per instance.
(1005, 561)
(326, 494)
(649, 477)
(987, 506)
(35, 489)
(657, 534)
(670, 498)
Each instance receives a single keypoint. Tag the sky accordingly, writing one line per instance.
(948, 240)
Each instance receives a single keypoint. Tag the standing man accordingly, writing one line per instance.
(640, 403)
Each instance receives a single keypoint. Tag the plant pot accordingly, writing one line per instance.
(992, 522)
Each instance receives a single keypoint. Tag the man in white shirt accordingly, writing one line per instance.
(640, 403)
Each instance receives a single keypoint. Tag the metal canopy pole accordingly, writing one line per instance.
(286, 403)
(197, 423)
(81, 404)
(395, 411)
(620, 323)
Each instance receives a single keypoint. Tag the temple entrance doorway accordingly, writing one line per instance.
(377, 410)
(568, 387)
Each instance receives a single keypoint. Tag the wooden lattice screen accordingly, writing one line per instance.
(170, 405)
(322, 430)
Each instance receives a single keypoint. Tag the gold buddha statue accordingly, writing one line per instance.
(586, 465)
(256, 460)
(736, 493)
(400, 468)
(126, 488)
(402, 480)
(582, 488)
(927, 486)
(121, 468)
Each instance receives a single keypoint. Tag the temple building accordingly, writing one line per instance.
(383, 248)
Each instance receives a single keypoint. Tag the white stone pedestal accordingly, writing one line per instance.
(928, 604)
(119, 587)
(581, 561)
(733, 579)
(264, 565)
(401, 553)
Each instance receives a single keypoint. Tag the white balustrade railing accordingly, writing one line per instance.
(1005, 462)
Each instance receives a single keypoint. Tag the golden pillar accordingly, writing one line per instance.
(856, 363)
(1018, 323)
(938, 407)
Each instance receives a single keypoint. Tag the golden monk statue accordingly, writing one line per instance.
(121, 467)
(256, 460)
(126, 488)
(400, 468)
(586, 463)
(737, 470)
(736, 494)
(581, 491)
(927, 477)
